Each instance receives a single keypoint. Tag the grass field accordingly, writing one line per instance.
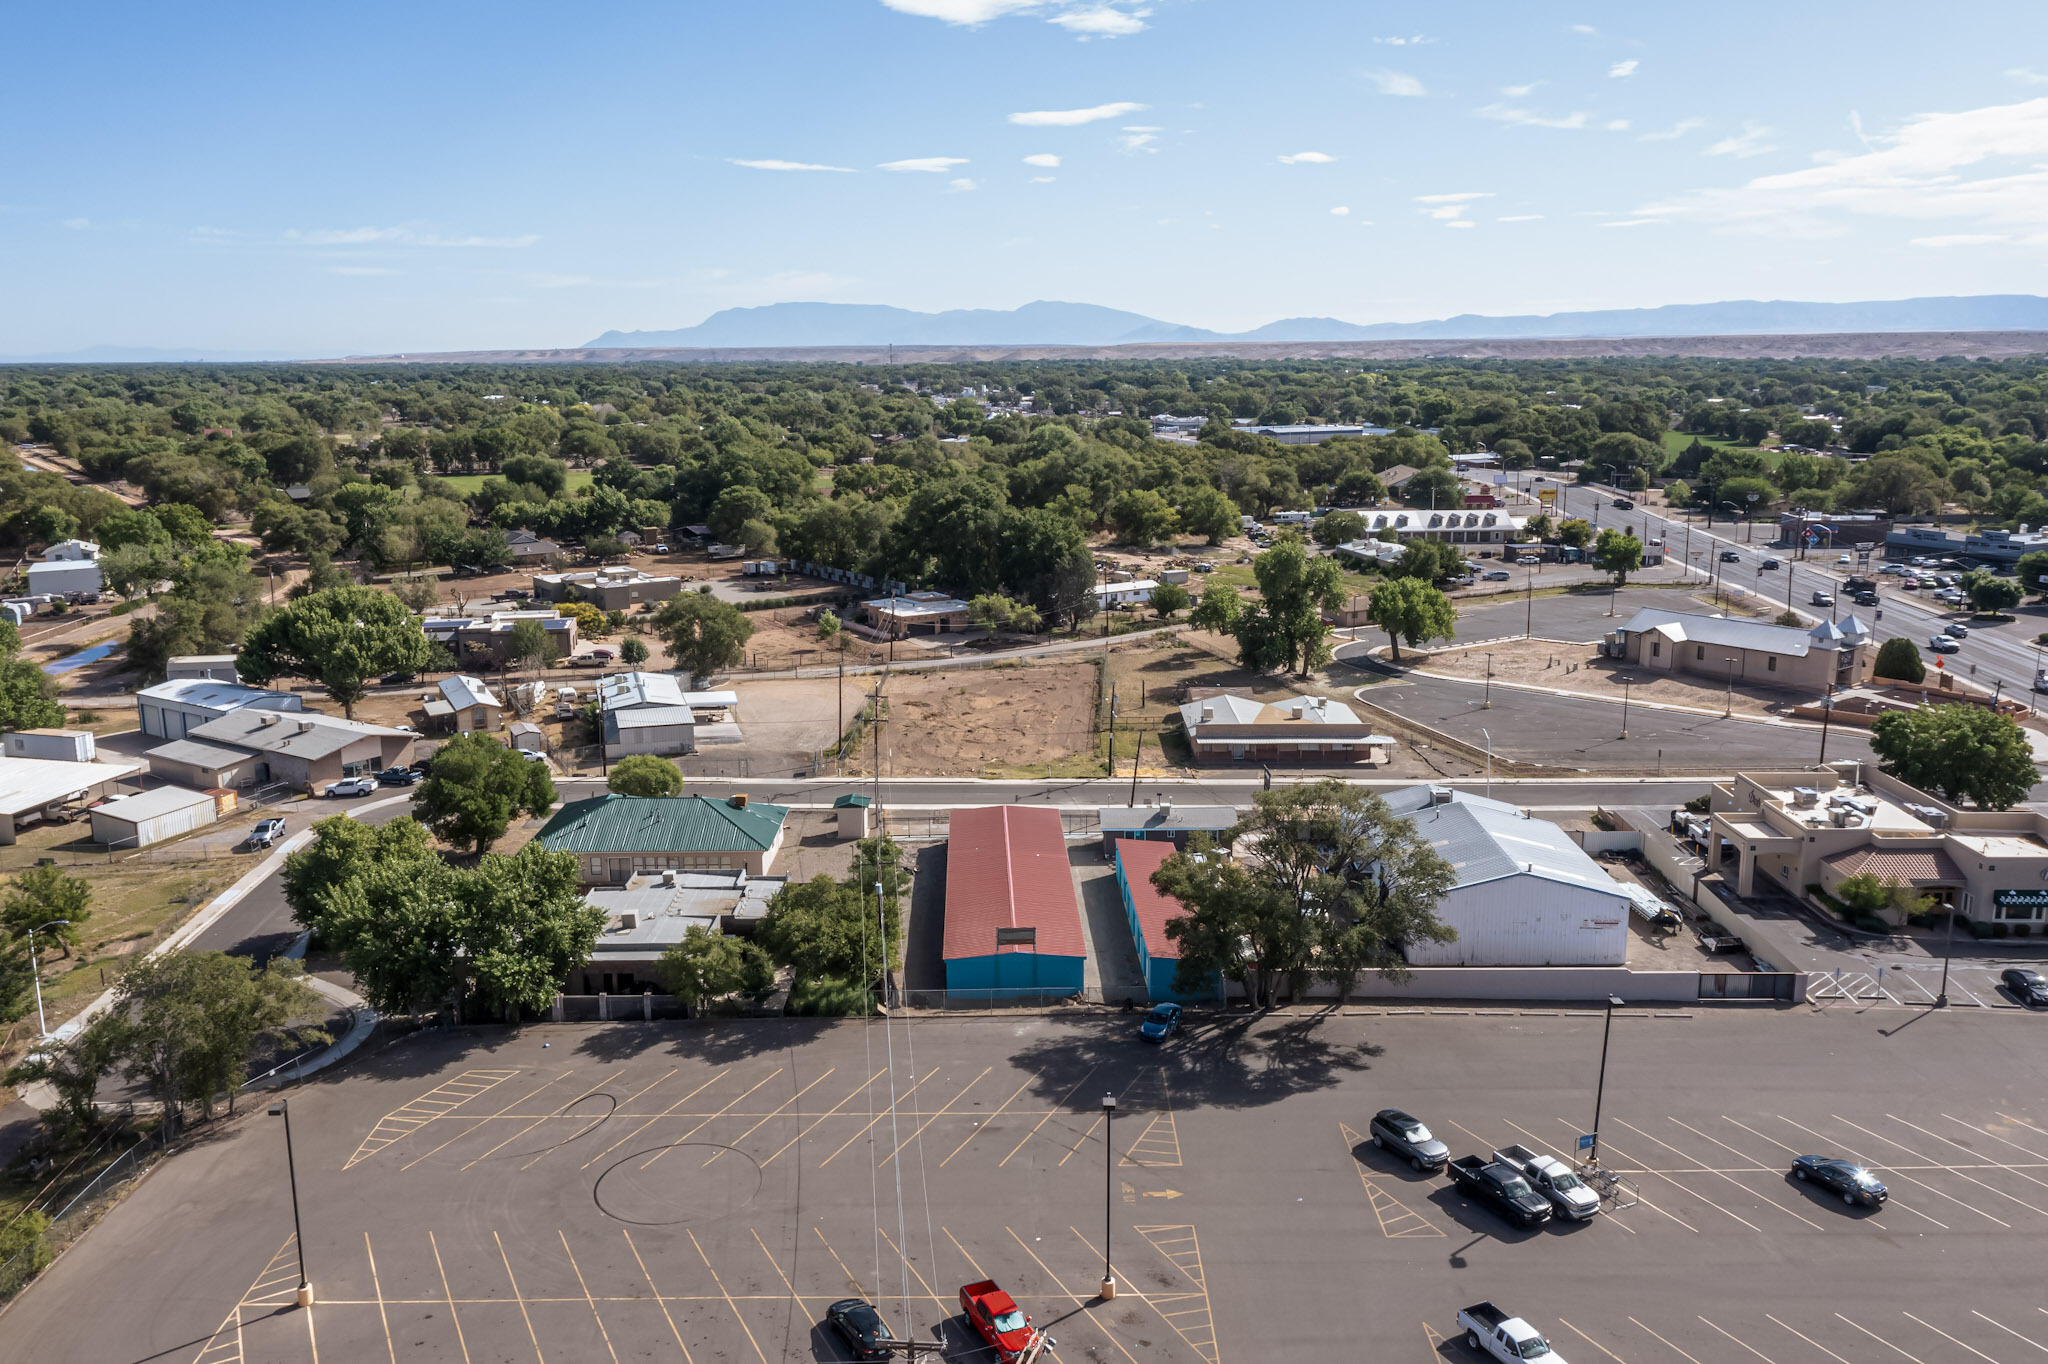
(466, 484)
(1674, 441)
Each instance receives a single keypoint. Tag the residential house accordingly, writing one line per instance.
(466, 706)
(172, 710)
(69, 568)
(527, 547)
(1727, 649)
(608, 589)
(1110, 596)
(485, 641)
(1300, 730)
(930, 613)
(616, 838)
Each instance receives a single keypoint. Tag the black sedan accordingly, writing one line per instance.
(1856, 1185)
(1408, 1138)
(861, 1327)
(2029, 987)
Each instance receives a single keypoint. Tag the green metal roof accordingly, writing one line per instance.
(624, 824)
(853, 802)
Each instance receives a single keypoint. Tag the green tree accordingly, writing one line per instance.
(1142, 517)
(475, 789)
(1206, 512)
(529, 645)
(1169, 600)
(1540, 527)
(1411, 609)
(1990, 593)
(991, 611)
(1865, 894)
(1435, 488)
(28, 698)
(1958, 752)
(41, 895)
(1619, 553)
(1575, 532)
(703, 634)
(2032, 572)
(1221, 607)
(633, 651)
(827, 929)
(341, 846)
(1752, 496)
(643, 774)
(1430, 560)
(74, 1069)
(209, 609)
(1339, 528)
(1287, 627)
(1899, 659)
(341, 638)
(706, 966)
(829, 627)
(1678, 493)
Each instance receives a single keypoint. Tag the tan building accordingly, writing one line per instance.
(1725, 648)
(608, 589)
(467, 706)
(300, 750)
(1300, 730)
(925, 613)
(1800, 829)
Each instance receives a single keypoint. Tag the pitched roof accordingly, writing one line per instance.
(1006, 867)
(198, 754)
(302, 735)
(1486, 841)
(1137, 859)
(1913, 867)
(149, 804)
(462, 692)
(1727, 632)
(222, 696)
(623, 691)
(613, 824)
(1290, 710)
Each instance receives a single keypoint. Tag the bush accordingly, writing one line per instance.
(1899, 660)
(24, 1251)
(1977, 930)
(830, 997)
(1871, 924)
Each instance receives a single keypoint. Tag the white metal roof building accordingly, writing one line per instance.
(1452, 527)
(33, 788)
(171, 710)
(138, 821)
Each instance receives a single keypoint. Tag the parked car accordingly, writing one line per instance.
(1555, 1180)
(400, 776)
(268, 831)
(1729, 556)
(1205, 567)
(661, 549)
(533, 757)
(1490, 1331)
(1528, 560)
(1163, 1021)
(351, 786)
(997, 1319)
(1909, 583)
(1823, 599)
(1942, 644)
(515, 594)
(2028, 986)
(1768, 566)
(857, 1323)
(1893, 568)
(398, 679)
(604, 655)
(1843, 559)
(1407, 1137)
(1496, 575)
(1502, 1186)
(1856, 1185)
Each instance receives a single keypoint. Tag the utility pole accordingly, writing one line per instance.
(841, 731)
(1529, 614)
(1827, 714)
(1600, 1092)
(1134, 768)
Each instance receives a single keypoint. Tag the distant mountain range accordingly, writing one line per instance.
(1085, 324)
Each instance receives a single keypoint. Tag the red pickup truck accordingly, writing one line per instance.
(996, 1316)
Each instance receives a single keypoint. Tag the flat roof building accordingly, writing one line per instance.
(653, 912)
(931, 613)
(1013, 923)
(1169, 821)
(608, 589)
(171, 710)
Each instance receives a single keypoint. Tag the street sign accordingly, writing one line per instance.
(1586, 1140)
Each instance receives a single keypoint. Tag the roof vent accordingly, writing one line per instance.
(1208, 714)
(668, 878)
(737, 800)
(305, 726)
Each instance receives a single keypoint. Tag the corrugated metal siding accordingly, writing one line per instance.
(1006, 867)
(1159, 983)
(1146, 908)
(1528, 921)
(1014, 973)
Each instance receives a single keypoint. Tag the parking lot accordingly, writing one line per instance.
(674, 1192)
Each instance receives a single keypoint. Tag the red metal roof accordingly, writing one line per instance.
(1006, 867)
(1140, 857)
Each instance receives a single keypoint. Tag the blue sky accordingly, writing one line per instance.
(429, 176)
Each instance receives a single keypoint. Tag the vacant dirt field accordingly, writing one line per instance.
(1028, 720)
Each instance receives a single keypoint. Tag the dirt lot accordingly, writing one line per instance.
(1573, 667)
(1029, 720)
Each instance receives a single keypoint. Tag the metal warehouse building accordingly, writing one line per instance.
(1013, 924)
(1149, 912)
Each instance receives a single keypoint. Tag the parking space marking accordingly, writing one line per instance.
(1717, 1174)
(1202, 1342)
(919, 1131)
(438, 1102)
(834, 1109)
(674, 1330)
(1391, 1211)
(1980, 1127)
(2009, 1331)
(1543, 1145)
(1882, 1341)
(225, 1344)
(2023, 1123)
(737, 1314)
(1892, 1203)
(377, 1287)
(486, 1118)
(1668, 1180)
(989, 1121)
(1056, 1108)
(776, 1265)
(1097, 1121)
(2009, 1169)
(533, 1123)
(1743, 1343)
(708, 1119)
(1902, 1175)
(1592, 1342)
(518, 1297)
(878, 1117)
(1159, 1143)
(448, 1297)
(772, 1113)
(1951, 1339)
(1660, 1340)
(1078, 1300)
(852, 1279)
(1939, 1166)
(581, 1283)
(911, 1264)
(649, 1122)
(1809, 1340)
(978, 1271)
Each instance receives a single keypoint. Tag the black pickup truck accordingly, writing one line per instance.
(1501, 1186)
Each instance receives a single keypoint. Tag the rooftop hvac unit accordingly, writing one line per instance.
(305, 726)
(1439, 795)
(1166, 805)
(629, 919)
(668, 878)
(738, 800)
(1938, 818)
(267, 719)
(1805, 797)
(1208, 714)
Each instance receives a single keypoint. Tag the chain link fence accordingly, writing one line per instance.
(68, 1203)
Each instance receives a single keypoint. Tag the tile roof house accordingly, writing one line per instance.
(1304, 730)
(618, 837)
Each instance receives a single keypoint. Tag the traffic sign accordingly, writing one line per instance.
(1587, 1139)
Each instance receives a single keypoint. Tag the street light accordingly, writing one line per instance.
(1600, 1090)
(1108, 1179)
(1948, 942)
(283, 1109)
(1489, 763)
(1486, 700)
(1729, 708)
(1625, 681)
(35, 965)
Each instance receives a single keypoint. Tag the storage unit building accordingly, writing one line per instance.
(33, 789)
(172, 710)
(57, 745)
(1148, 912)
(1013, 924)
(152, 817)
(1168, 820)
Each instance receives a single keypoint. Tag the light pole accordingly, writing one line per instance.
(1749, 531)
(283, 1109)
(1827, 714)
(1948, 942)
(1600, 1090)
(1489, 763)
(1108, 1185)
(1729, 708)
(35, 966)
(1625, 681)
(1486, 699)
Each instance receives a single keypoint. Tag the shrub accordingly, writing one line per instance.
(830, 997)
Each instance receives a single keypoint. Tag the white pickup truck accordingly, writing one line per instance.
(1490, 1331)
(1553, 1179)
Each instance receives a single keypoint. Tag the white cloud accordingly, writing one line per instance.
(1307, 159)
(1527, 118)
(1340, 211)
(773, 165)
(1069, 118)
(1585, 29)
(1981, 169)
(1616, 125)
(961, 186)
(76, 224)
(929, 165)
(1635, 222)
(1395, 83)
(1046, 159)
(1623, 69)
(1464, 198)
(1753, 140)
(1450, 209)
(1043, 179)
(1139, 137)
(1413, 40)
(1521, 218)
(1519, 91)
(960, 11)
(399, 236)
(1102, 22)
(360, 271)
(2026, 76)
(1675, 131)
(1458, 222)
(1964, 239)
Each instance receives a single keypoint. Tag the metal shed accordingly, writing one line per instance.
(1013, 923)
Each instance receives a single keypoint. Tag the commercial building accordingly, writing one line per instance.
(37, 789)
(466, 706)
(651, 713)
(1013, 924)
(1451, 527)
(69, 568)
(619, 837)
(1727, 648)
(653, 912)
(1801, 830)
(929, 613)
(1301, 433)
(608, 589)
(1525, 893)
(1302, 730)
(204, 766)
(153, 816)
(303, 751)
(1149, 910)
(1990, 546)
(1168, 822)
(172, 710)
(202, 668)
(486, 641)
